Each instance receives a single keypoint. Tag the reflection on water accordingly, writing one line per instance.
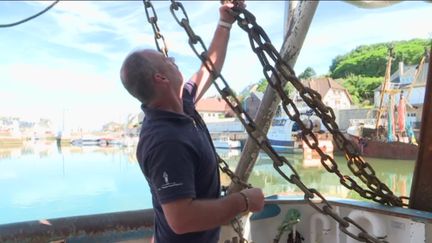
(397, 174)
(41, 180)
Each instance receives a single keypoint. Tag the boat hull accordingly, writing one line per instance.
(385, 150)
(285, 146)
(227, 144)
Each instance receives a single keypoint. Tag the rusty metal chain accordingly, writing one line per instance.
(152, 19)
(196, 40)
(236, 224)
(260, 138)
(223, 165)
(264, 49)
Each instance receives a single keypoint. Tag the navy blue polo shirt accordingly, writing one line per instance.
(178, 160)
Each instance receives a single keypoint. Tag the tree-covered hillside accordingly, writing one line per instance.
(370, 60)
(363, 68)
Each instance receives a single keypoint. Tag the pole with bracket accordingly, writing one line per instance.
(421, 188)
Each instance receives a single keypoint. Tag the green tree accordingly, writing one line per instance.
(262, 85)
(370, 60)
(362, 88)
(307, 73)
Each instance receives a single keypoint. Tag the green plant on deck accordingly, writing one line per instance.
(292, 217)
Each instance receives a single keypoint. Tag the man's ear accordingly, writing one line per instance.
(160, 78)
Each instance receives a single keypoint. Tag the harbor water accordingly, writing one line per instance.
(40, 180)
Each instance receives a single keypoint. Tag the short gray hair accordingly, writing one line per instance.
(136, 75)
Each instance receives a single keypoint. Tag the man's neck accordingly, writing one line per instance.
(167, 105)
(169, 101)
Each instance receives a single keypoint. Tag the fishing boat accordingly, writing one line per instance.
(311, 218)
(285, 135)
(86, 141)
(371, 147)
(281, 135)
(225, 142)
(394, 137)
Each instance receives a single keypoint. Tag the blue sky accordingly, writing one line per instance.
(68, 59)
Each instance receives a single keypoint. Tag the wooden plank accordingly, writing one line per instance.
(298, 26)
(421, 188)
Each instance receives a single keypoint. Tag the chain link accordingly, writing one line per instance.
(257, 135)
(236, 224)
(224, 167)
(152, 19)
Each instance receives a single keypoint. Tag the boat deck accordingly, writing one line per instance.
(390, 223)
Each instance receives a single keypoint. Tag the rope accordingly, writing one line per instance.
(29, 18)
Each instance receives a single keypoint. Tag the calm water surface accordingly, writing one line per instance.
(41, 180)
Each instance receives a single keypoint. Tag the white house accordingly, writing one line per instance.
(332, 94)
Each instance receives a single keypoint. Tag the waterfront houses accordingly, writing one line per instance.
(213, 108)
(333, 94)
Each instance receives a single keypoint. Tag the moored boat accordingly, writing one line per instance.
(390, 135)
(284, 135)
(226, 143)
(386, 150)
(281, 136)
(86, 142)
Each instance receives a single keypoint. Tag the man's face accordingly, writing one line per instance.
(166, 67)
(170, 69)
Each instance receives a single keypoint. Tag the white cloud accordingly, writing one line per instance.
(82, 44)
(326, 41)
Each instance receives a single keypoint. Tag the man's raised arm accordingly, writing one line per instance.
(217, 50)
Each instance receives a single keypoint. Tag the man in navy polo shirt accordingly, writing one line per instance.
(175, 151)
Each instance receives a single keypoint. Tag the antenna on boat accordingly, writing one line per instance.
(384, 88)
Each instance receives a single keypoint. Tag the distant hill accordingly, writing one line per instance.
(370, 60)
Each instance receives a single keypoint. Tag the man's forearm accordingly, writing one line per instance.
(199, 215)
(218, 47)
(216, 53)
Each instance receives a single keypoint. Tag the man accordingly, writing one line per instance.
(175, 151)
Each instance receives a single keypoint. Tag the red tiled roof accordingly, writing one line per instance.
(212, 104)
(322, 85)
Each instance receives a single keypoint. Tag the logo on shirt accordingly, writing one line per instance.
(167, 183)
(165, 176)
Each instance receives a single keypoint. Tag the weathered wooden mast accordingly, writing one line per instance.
(298, 22)
(384, 89)
(421, 187)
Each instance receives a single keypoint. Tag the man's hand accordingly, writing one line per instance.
(225, 11)
(255, 199)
